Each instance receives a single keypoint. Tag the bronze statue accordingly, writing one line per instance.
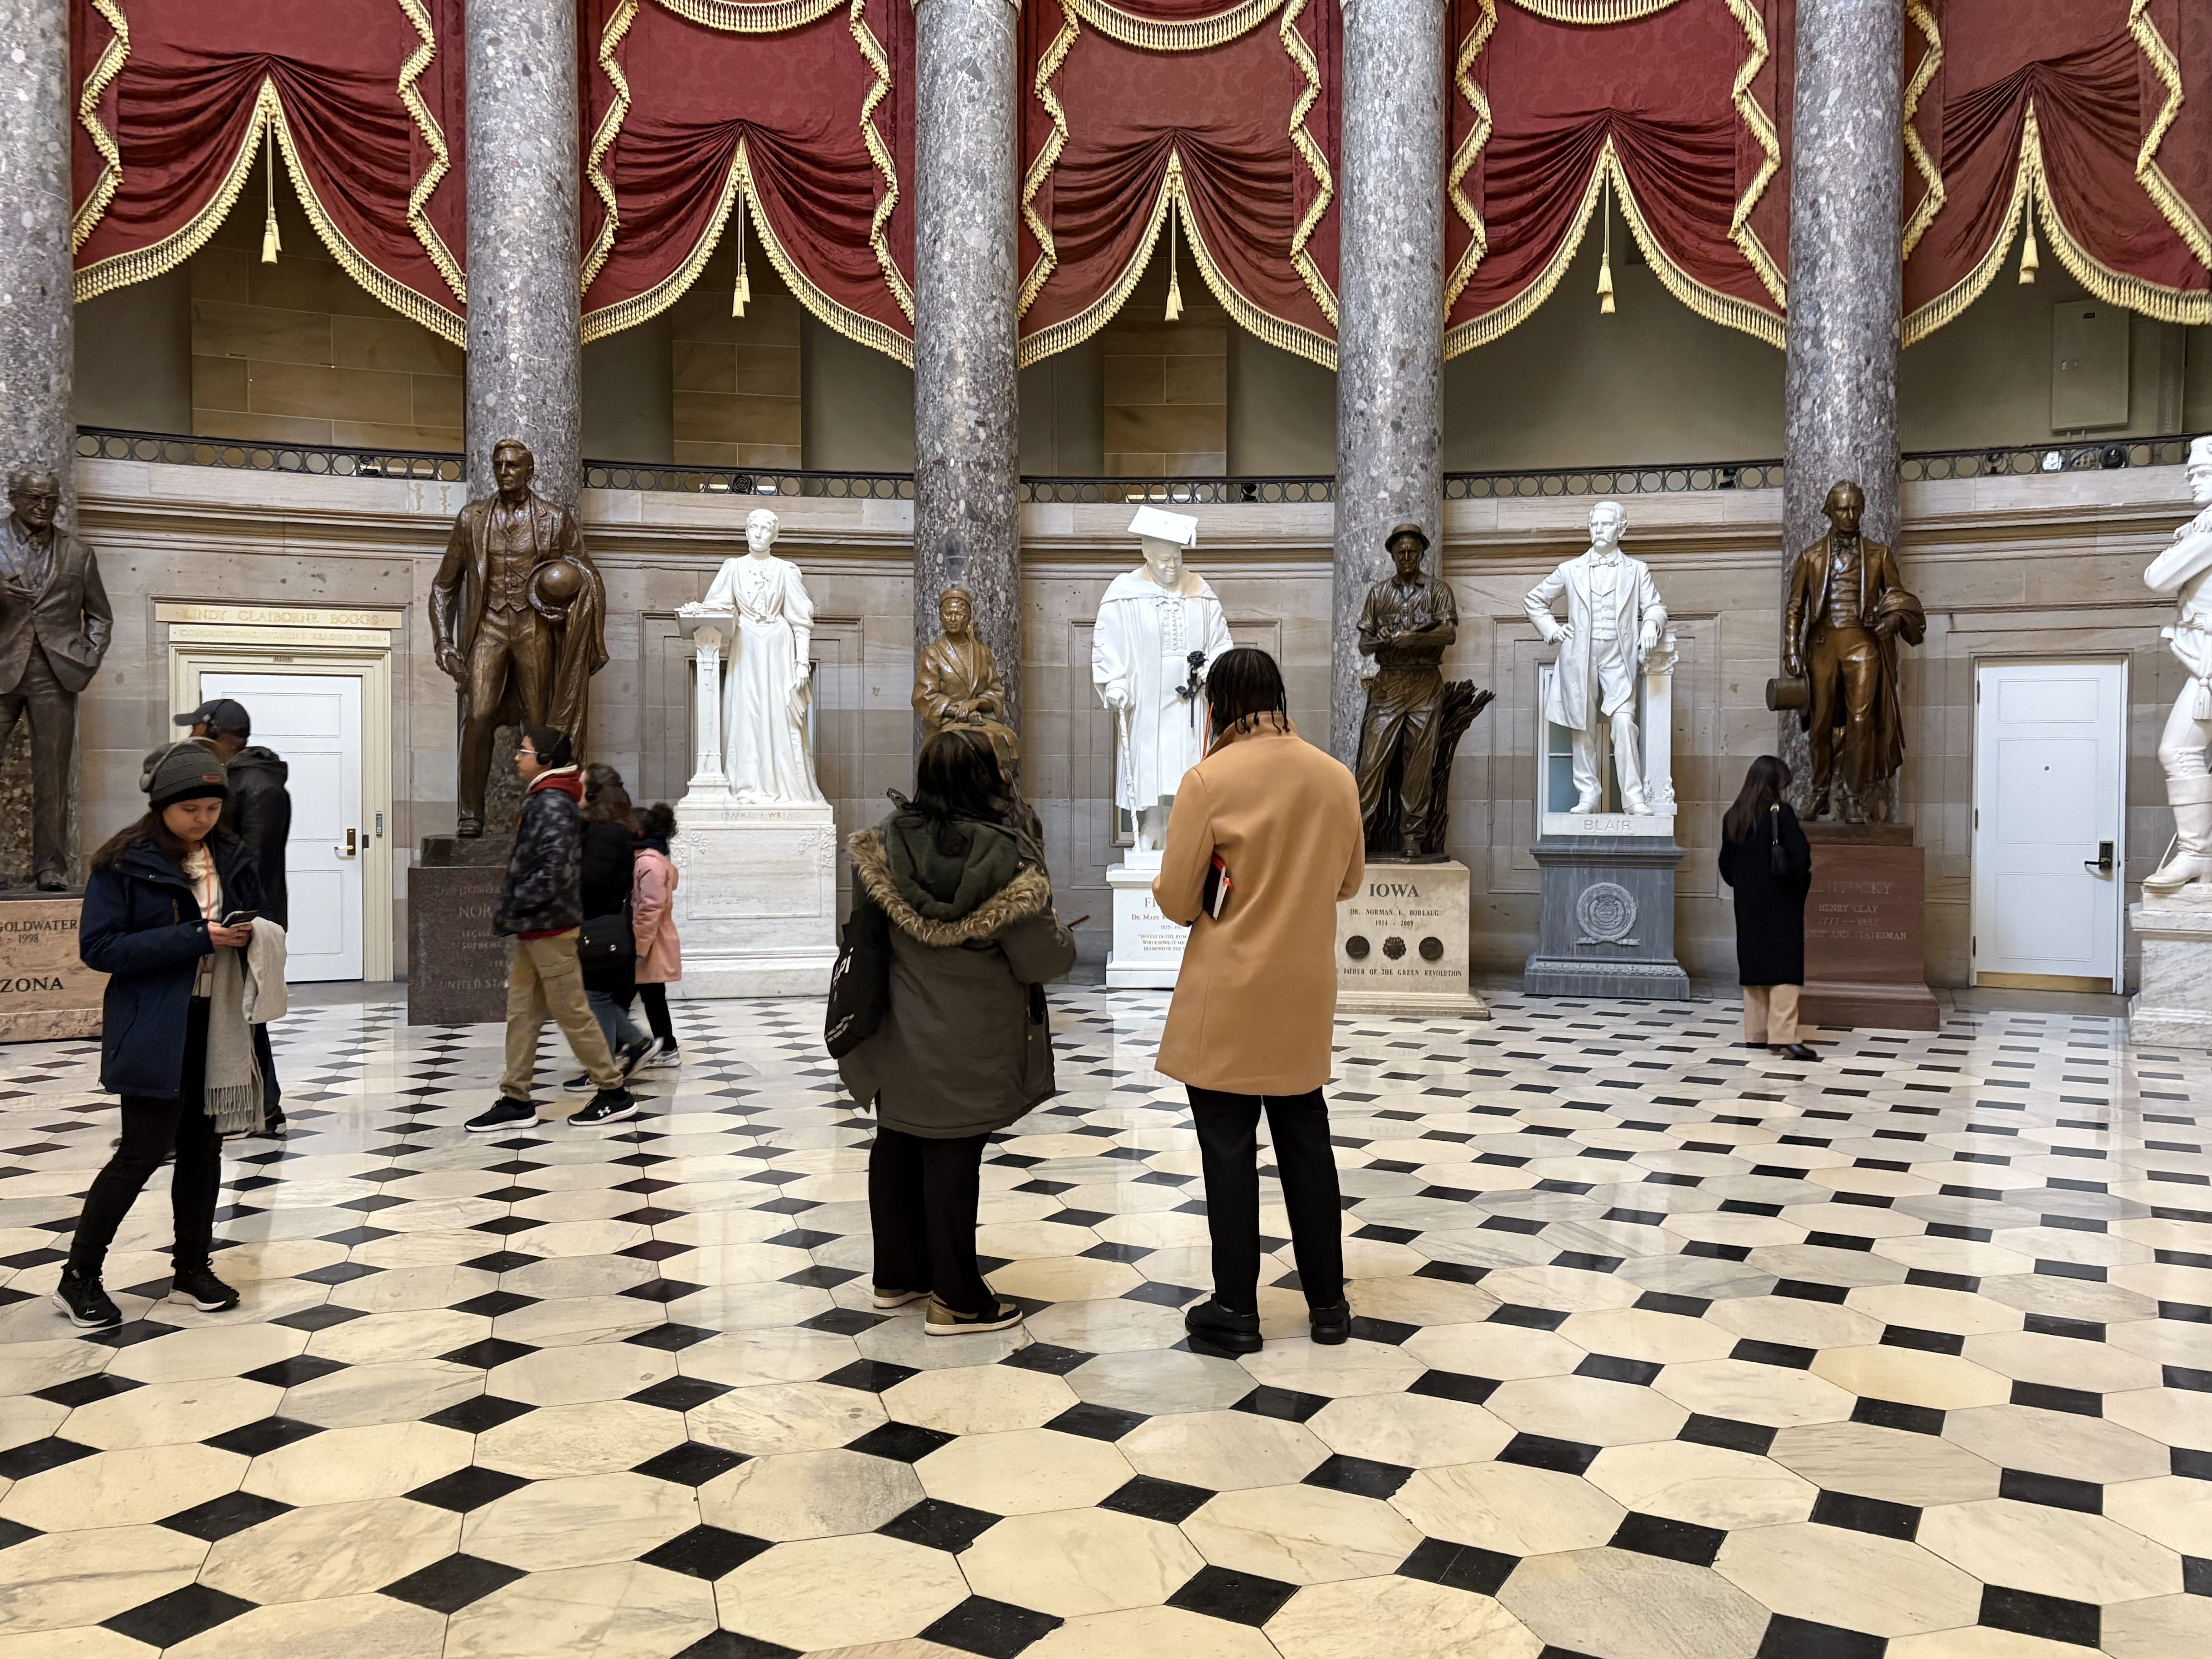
(54, 628)
(1413, 721)
(1847, 610)
(957, 683)
(518, 617)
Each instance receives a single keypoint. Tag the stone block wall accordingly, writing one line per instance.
(1167, 384)
(737, 379)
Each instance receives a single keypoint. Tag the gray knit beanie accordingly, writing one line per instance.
(182, 771)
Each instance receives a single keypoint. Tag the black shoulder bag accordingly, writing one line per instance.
(860, 983)
(1778, 861)
(603, 941)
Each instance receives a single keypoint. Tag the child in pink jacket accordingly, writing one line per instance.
(660, 955)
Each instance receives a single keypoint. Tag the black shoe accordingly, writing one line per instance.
(275, 1125)
(635, 1056)
(1220, 1328)
(576, 1085)
(1332, 1324)
(89, 1306)
(608, 1106)
(505, 1114)
(1794, 1051)
(200, 1286)
(937, 1320)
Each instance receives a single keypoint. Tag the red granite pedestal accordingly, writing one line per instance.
(1865, 929)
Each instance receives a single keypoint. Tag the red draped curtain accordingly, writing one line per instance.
(2088, 120)
(1140, 117)
(788, 123)
(177, 99)
(1673, 112)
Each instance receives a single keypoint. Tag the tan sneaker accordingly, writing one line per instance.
(941, 1321)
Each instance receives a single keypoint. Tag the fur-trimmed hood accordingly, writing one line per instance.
(1026, 895)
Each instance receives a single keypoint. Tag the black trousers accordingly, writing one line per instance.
(655, 998)
(1228, 1146)
(272, 1093)
(921, 1204)
(152, 1129)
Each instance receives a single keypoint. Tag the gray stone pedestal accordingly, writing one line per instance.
(2174, 1009)
(455, 965)
(1608, 927)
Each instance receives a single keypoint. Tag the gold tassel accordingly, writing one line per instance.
(2029, 265)
(744, 291)
(1175, 286)
(1605, 260)
(270, 241)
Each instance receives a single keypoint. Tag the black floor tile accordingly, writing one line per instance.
(706, 1552)
(2050, 1617)
(1157, 1500)
(219, 1517)
(1462, 1566)
(1359, 1476)
(996, 1629)
(940, 1525)
(449, 1585)
(467, 1489)
(1870, 1515)
(692, 1464)
(179, 1616)
(1676, 1541)
(903, 1443)
(1800, 1638)
(1542, 1452)
(1243, 1598)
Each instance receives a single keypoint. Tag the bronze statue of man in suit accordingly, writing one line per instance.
(1406, 624)
(54, 628)
(1847, 610)
(518, 617)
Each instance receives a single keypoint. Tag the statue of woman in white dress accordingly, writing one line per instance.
(768, 687)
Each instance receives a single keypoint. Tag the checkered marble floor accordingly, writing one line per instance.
(1665, 1350)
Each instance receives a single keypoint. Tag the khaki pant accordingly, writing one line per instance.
(1770, 1014)
(542, 978)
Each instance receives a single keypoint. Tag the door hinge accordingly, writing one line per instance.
(1977, 817)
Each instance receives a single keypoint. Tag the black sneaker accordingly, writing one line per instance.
(941, 1321)
(1220, 1328)
(89, 1306)
(200, 1286)
(504, 1114)
(1796, 1051)
(576, 1085)
(1332, 1324)
(635, 1056)
(608, 1106)
(275, 1125)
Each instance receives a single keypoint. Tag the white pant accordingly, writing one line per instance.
(1616, 684)
(2181, 746)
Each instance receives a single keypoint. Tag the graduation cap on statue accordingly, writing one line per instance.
(1154, 525)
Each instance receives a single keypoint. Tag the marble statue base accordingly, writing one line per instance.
(1147, 952)
(45, 992)
(2173, 1008)
(1608, 919)
(1401, 942)
(455, 965)
(755, 898)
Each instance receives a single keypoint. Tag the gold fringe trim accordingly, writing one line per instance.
(1468, 152)
(1946, 307)
(418, 198)
(1074, 331)
(609, 129)
(1595, 13)
(879, 153)
(1931, 202)
(1048, 259)
(1195, 35)
(627, 313)
(1309, 151)
(1769, 142)
(1278, 331)
(1708, 302)
(731, 17)
(2155, 184)
(104, 72)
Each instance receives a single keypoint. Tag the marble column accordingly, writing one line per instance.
(967, 526)
(525, 344)
(1390, 298)
(1846, 260)
(37, 334)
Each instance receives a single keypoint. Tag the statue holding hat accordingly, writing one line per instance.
(769, 685)
(2185, 570)
(1159, 628)
(1413, 721)
(517, 618)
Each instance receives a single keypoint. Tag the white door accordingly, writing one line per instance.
(2050, 788)
(313, 722)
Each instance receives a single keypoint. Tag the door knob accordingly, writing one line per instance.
(352, 847)
(2102, 864)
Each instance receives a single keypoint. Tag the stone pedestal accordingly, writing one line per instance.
(1608, 917)
(455, 965)
(1865, 921)
(755, 898)
(45, 992)
(1147, 951)
(1402, 943)
(2174, 1009)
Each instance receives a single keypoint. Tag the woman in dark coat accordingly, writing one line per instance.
(964, 1048)
(153, 922)
(609, 847)
(1766, 858)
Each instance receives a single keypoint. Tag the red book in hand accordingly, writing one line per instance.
(1219, 887)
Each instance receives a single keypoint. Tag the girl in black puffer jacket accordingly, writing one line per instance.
(610, 849)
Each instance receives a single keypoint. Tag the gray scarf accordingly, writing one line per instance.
(232, 1091)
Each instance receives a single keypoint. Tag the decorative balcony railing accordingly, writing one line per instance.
(326, 460)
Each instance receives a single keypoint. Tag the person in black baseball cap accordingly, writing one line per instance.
(220, 717)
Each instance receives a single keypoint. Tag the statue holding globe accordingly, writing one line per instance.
(517, 618)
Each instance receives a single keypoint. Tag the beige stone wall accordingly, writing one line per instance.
(1167, 384)
(2022, 568)
(297, 352)
(737, 379)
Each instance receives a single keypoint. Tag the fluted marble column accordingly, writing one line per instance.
(37, 335)
(1846, 258)
(526, 351)
(967, 450)
(1390, 299)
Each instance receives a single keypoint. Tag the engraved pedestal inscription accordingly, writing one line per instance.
(1401, 942)
(1865, 921)
(45, 992)
(1147, 951)
(455, 965)
(755, 900)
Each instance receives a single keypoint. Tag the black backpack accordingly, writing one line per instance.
(860, 983)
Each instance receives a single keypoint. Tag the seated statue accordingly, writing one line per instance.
(956, 685)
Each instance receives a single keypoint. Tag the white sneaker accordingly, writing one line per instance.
(663, 1052)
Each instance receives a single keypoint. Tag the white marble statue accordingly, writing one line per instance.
(760, 601)
(2184, 569)
(1159, 628)
(1615, 618)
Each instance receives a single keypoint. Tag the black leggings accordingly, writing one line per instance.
(921, 1204)
(655, 998)
(152, 1129)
